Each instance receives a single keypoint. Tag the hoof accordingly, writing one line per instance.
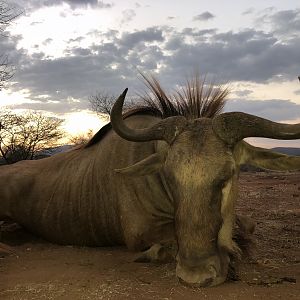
(5, 250)
(143, 259)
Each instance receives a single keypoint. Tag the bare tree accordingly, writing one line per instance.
(81, 139)
(7, 14)
(6, 71)
(23, 136)
(102, 103)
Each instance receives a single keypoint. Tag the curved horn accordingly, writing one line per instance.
(166, 129)
(234, 126)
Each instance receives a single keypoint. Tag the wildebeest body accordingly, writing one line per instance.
(77, 198)
(172, 188)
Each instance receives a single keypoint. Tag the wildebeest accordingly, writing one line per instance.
(165, 186)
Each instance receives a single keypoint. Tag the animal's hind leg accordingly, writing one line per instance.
(245, 223)
(243, 234)
(159, 253)
(4, 249)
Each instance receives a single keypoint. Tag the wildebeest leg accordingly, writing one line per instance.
(246, 224)
(142, 231)
(163, 247)
(243, 231)
(5, 250)
(166, 252)
(159, 242)
(159, 253)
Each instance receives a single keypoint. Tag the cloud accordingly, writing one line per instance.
(248, 11)
(74, 76)
(8, 48)
(31, 5)
(247, 55)
(284, 23)
(47, 41)
(78, 51)
(151, 34)
(76, 40)
(94, 3)
(85, 70)
(113, 61)
(243, 93)
(273, 109)
(204, 16)
(58, 107)
(127, 16)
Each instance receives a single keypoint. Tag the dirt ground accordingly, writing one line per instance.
(40, 270)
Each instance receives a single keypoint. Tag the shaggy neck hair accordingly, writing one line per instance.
(194, 100)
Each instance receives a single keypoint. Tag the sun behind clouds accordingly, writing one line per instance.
(80, 122)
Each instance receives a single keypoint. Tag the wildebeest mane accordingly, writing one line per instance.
(194, 100)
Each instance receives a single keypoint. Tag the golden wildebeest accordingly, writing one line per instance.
(163, 181)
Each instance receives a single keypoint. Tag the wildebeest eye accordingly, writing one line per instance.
(220, 183)
(217, 191)
(223, 183)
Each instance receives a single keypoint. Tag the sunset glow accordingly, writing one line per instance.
(65, 51)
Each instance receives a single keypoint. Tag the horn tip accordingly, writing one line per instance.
(125, 92)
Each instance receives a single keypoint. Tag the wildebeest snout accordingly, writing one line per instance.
(209, 272)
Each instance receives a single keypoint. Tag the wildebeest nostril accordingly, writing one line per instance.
(207, 282)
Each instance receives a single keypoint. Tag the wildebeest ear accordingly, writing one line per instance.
(149, 165)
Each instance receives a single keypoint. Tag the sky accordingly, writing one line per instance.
(64, 51)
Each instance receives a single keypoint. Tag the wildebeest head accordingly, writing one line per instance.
(200, 168)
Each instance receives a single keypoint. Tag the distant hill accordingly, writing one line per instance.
(287, 150)
(55, 150)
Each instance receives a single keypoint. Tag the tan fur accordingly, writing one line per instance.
(225, 235)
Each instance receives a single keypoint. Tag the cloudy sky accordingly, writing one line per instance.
(67, 50)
